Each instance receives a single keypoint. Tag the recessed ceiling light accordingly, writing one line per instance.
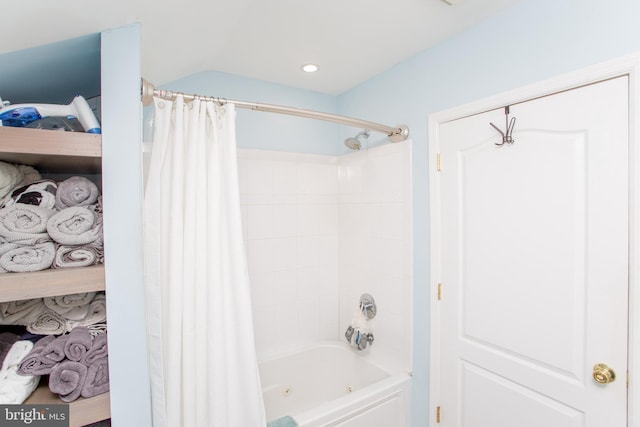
(309, 68)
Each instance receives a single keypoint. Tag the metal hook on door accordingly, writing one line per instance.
(507, 136)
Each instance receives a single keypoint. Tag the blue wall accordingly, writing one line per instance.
(527, 42)
(269, 131)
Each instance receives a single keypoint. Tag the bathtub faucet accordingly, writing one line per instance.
(357, 339)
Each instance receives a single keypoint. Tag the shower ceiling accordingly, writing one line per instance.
(350, 40)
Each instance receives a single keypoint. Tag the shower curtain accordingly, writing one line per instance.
(203, 363)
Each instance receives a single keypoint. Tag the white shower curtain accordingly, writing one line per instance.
(203, 361)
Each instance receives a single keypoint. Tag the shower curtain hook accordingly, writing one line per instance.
(507, 135)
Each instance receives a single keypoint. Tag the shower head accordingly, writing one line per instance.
(353, 142)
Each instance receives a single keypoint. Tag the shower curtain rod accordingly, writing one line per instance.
(396, 134)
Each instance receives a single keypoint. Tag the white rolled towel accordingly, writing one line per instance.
(47, 322)
(20, 312)
(69, 256)
(75, 226)
(10, 177)
(71, 307)
(28, 258)
(16, 388)
(25, 224)
(76, 191)
(97, 313)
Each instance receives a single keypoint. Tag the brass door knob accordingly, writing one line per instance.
(603, 374)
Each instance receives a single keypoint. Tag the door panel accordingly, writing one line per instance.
(535, 262)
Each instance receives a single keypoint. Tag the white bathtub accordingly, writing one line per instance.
(331, 385)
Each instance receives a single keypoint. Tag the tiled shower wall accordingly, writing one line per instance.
(320, 231)
(290, 220)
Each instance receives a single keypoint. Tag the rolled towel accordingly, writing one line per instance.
(6, 246)
(15, 388)
(7, 340)
(69, 256)
(40, 193)
(76, 191)
(25, 224)
(10, 178)
(32, 365)
(98, 350)
(77, 345)
(48, 322)
(20, 312)
(54, 351)
(29, 258)
(97, 313)
(71, 307)
(67, 380)
(74, 226)
(97, 381)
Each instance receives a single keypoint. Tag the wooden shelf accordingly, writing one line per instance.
(52, 151)
(81, 411)
(50, 283)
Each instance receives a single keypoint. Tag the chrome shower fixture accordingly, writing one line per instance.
(353, 142)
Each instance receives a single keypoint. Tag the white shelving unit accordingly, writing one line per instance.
(56, 152)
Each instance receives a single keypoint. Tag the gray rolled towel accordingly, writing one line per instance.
(78, 343)
(98, 350)
(54, 351)
(32, 365)
(67, 379)
(7, 339)
(76, 191)
(97, 381)
(29, 258)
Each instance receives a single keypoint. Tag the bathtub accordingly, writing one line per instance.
(329, 384)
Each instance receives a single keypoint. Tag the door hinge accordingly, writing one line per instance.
(438, 162)
(438, 414)
(439, 291)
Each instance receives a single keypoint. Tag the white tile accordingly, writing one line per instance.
(264, 327)
(308, 320)
(260, 175)
(287, 327)
(285, 253)
(263, 289)
(261, 220)
(307, 252)
(286, 286)
(285, 177)
(285, 222)
(260, 255)
(309, 282)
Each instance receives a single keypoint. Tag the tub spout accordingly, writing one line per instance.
(357, 339)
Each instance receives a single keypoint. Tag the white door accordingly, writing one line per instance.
(534, 263)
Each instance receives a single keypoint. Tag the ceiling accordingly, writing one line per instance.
(351, 40)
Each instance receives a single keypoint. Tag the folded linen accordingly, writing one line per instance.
(40, 193)
(70, 256)
(71, 307)
(47, 322)
(75, 226)
(28, 258)
(67, 380)
(78, 343)
(19, 312)
(10, 177)
(25, 224)
(15, 388)
(97, 380)
(76, 191)
(54, 351)
(97, 351)
(97, 313)
(29, 175)
(32, 365)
